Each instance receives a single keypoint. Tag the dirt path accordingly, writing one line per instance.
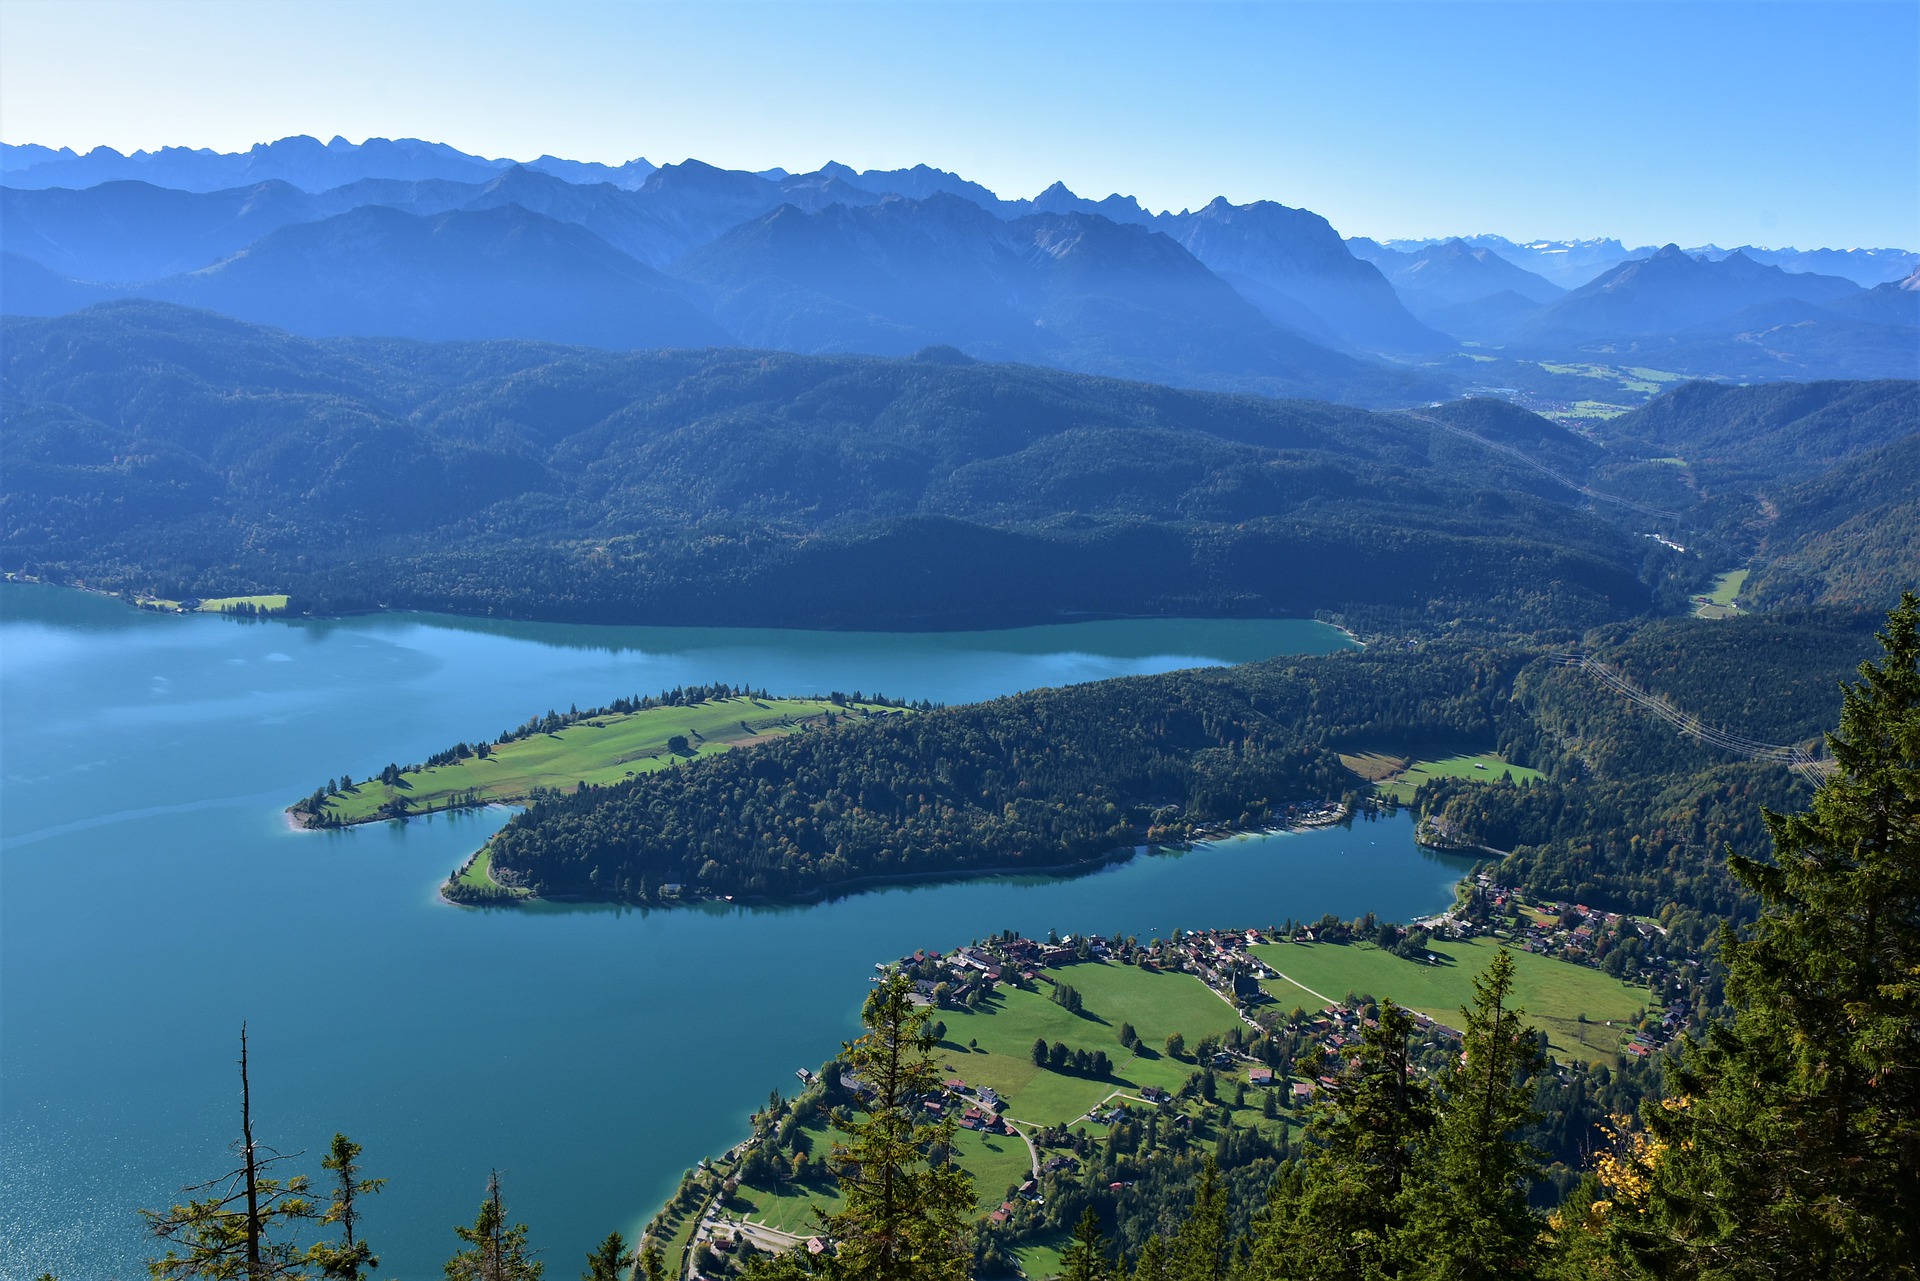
(1319, 996)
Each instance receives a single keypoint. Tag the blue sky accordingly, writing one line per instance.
(1725, 122)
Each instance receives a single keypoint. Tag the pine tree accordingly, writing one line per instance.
(496, 1252)
(1344, 1206)
(907, 1205)
(1790, 1145)
(229, 1232)
(605, 1261)
(1466, 1214)
(1203, 1248)
(1085, 1258)
(1153, 1263)
(344, 1261)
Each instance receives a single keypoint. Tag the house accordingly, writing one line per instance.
(1247, 988)
(1260, 1076)
(1302, 1090)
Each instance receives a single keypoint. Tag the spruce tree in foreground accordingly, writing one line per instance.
(232, 1230)
(605, 1261)
(1790, 1144)
(1466, 1215)
(496, 1252)
(1335, 1214)
(1203, 1249)
(907, 1206)
(1085, 1258)
(344, 1261)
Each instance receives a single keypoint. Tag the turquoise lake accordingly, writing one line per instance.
(152, 897)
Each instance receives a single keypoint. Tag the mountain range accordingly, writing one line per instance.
(413, 239)
(163, 449)
(1572, 263)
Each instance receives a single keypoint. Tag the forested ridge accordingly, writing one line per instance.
(1778, 1143)
(1039, 779)
(1631, 815)
(152, 449)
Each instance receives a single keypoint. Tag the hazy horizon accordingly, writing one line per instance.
(1729, 124)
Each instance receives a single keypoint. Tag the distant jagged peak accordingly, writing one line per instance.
(692, 175)
(1059, 198)
(627, 176)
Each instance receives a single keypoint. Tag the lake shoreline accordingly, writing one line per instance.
(903, 628)
(1324, 817)
(572, 1004)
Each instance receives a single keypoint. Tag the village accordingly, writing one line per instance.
(1289, 1006)
(1619, 944)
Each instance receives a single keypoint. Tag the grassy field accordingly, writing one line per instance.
(606, 749)
(1588, 410)
(789, 1206)
(992, 1046)
(1723, 600)
(1647, 382)
(1553, 993)
(1397, 776)
(1005, 1027)
(1042, 1258)
(478, 873)
(269, 604)
(679, 1236)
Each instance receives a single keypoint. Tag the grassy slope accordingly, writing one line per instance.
(1004, 1029)
(606, 749)
(1552, 993)
(268, 604)
(1398, 776)
(478, 873)
(1720, 602)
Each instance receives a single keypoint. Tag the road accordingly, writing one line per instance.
(1809, 767)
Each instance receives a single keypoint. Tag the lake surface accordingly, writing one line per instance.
(152, 897)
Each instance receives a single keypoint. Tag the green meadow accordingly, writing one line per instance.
(478, 873)
(1005, 1027)
(1554, 994)
(1399, 776)
(265, 604)
(992, 1046)
(1723, 600)
(605, 749)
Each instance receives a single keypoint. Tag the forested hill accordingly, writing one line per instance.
(155, 449)
(1037, 780)
(1630, 814)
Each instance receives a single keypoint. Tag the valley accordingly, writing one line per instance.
(1363, 784)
